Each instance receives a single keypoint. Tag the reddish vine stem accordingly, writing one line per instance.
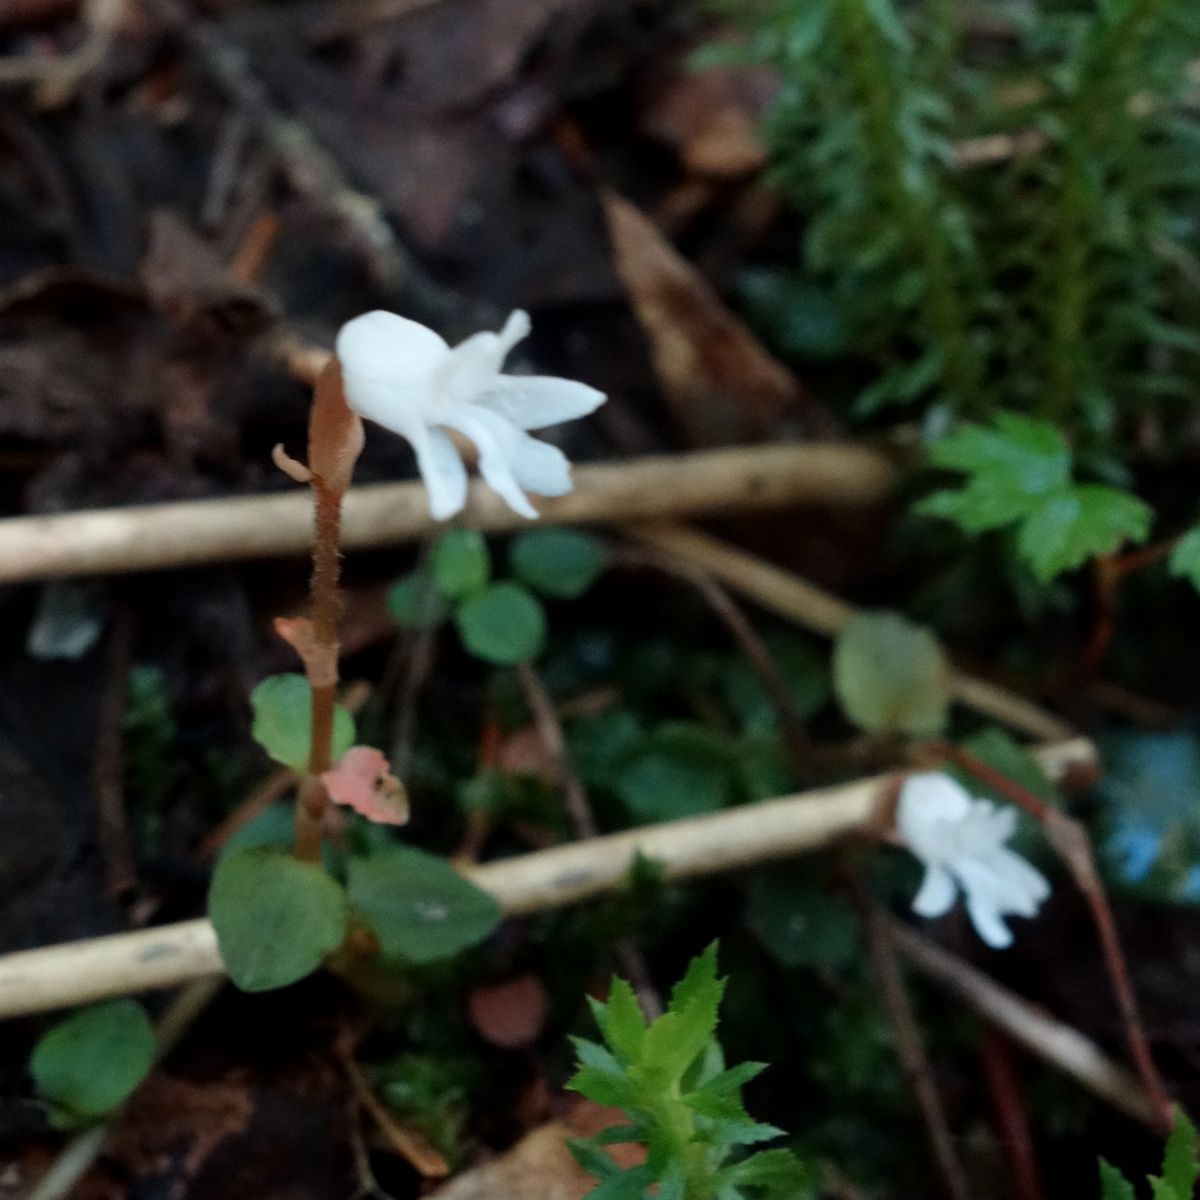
(1109, 572)
(1071, 842)
(1012, 1120)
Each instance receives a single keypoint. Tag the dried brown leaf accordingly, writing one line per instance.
(721, 384)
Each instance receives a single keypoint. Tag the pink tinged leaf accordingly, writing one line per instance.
(361, 780)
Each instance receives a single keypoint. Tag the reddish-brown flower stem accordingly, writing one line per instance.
(311, 799)
(334, 442)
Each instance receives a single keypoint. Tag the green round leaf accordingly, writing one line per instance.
(801, 925)
(561, 563)
(282, 726)
(276, 917)
(461, 564)
(891, 676)
(414, 602)
(88, 1064)
(659, 784)
(503, 625)
(418, 906)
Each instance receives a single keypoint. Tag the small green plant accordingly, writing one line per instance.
(996, 223)
(683, 1104)
(1180, 1169)
(499, 621)
(277, 917)
(1020, 477)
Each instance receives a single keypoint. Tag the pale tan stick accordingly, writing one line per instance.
(124, 963)
(1060, 1044)
(78, 1155)
(780, 591)
(188, 533)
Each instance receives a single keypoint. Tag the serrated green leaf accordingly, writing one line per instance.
(89, 1063)
(282, 725)
(604, 1087)
(414, 602)
(891, 676)
(1114, 1185)
(734, 1077)
(673, 1184)
(622, 1021)
(460, 563)
(504, 625)
(588, 1154)
(418, 906)
(1009, 466)
(1078, 524)
(560, 563)
(592, 1054)
(1185, 558)
(774, 1169)
(1180, 1167)
(276, 917)
(700, 984)
(673, 1042)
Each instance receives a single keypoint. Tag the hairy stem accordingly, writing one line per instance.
(311, 799)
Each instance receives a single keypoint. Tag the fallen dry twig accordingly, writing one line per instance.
(777, 589)
(125, 963)
(910, 1045)
(1057, 1043)
(156, 536)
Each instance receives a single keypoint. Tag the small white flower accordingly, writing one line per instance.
(961, 841)
(405, 377)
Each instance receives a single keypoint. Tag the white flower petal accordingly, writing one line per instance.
(988, 922)
(405, 377)
(1023, 882)
(937, 893)
(931, 807)
(390, 349)
(474, 364)
(494, 465)
(443, 472)
(397, 409)
(538, 401)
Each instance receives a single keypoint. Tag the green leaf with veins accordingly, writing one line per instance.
(1079, 523)
(1185, 558)
(1019, 473)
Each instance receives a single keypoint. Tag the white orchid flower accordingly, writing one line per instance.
(961, 841)
(406, 378)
